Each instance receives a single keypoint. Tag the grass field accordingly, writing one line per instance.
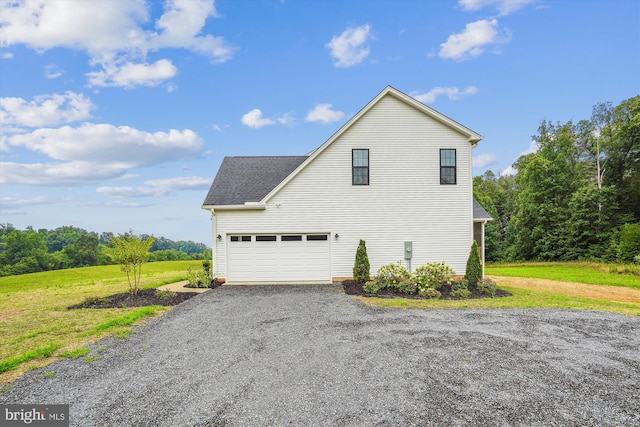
(588, 287)
(581, 272)
(36, 326)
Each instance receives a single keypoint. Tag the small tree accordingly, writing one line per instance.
(130, 252)
(361, 268)
(473, 272)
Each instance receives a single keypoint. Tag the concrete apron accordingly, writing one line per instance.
(179, 287)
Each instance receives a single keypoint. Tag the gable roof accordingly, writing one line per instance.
(472, 136)
(249, 179)
(253, 180)
(479, 213)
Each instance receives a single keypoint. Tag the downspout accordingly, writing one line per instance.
(214, 243)
(482, 238)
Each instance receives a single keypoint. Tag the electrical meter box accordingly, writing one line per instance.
(408, 250)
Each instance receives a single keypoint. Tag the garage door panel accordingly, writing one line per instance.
(287, 258)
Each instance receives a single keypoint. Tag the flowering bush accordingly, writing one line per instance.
(430, 277)
(391, 275)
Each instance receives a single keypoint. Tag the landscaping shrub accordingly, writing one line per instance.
(460, 288)
(473, 272)
(487, 287)
(165, 294)
(200, 278)
(431, 277)
(392, 275)
(361, 267)
(371, 287)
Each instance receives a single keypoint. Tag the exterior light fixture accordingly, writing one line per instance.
(219, 237)
(336, 236)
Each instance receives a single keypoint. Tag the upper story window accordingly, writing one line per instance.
(360, 166)
(447, 166)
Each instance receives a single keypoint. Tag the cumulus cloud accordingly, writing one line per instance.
(95, 152)
(453, 93)
(323, 113)
(254, 119)
(472, 41)
(45, 110)
(349, 48)
(115, 34)
(483, 160)
(504, 7)
(159, 187)
(129, 75)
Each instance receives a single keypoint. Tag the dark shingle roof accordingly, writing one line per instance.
(249, 179)
(479, 212)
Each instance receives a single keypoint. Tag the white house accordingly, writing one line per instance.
(397, 175)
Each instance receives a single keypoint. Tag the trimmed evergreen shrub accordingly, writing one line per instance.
(473, 272)
(361, 267)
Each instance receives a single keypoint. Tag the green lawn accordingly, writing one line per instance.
(589, 273)
(35, 324)
(522, 297)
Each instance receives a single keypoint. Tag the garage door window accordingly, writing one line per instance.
(317, 237)
(292, 238)
(266, 238)
(240, 238)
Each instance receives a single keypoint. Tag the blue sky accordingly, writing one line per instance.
(116, 114)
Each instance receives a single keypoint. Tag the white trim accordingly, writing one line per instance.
(246, 206)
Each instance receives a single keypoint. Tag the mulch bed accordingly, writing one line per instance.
(143, 298)
(353, 288)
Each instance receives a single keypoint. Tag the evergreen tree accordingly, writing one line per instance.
(361, 267)
(473, 272)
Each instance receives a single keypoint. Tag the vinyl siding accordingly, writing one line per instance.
(404, 201)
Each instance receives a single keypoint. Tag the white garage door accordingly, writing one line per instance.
(278, 258)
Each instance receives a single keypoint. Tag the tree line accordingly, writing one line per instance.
(30, 251)
(576, 198)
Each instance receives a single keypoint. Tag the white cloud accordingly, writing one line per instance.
(323, 113)
(129, 74)
(158, 187)
(6, 55)
(55, 174)
(254, 119)
(52, 71)
(115, 34)
(14, 202)
(510, 171)
(107, 143)
(472, 41)
(483, 160)
(349, 48)
(286, 119)
(453, 93)
(95, 152)
(45, 110)
(504, 7)
(533, 147)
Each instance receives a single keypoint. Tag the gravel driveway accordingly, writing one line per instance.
(310, 355)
